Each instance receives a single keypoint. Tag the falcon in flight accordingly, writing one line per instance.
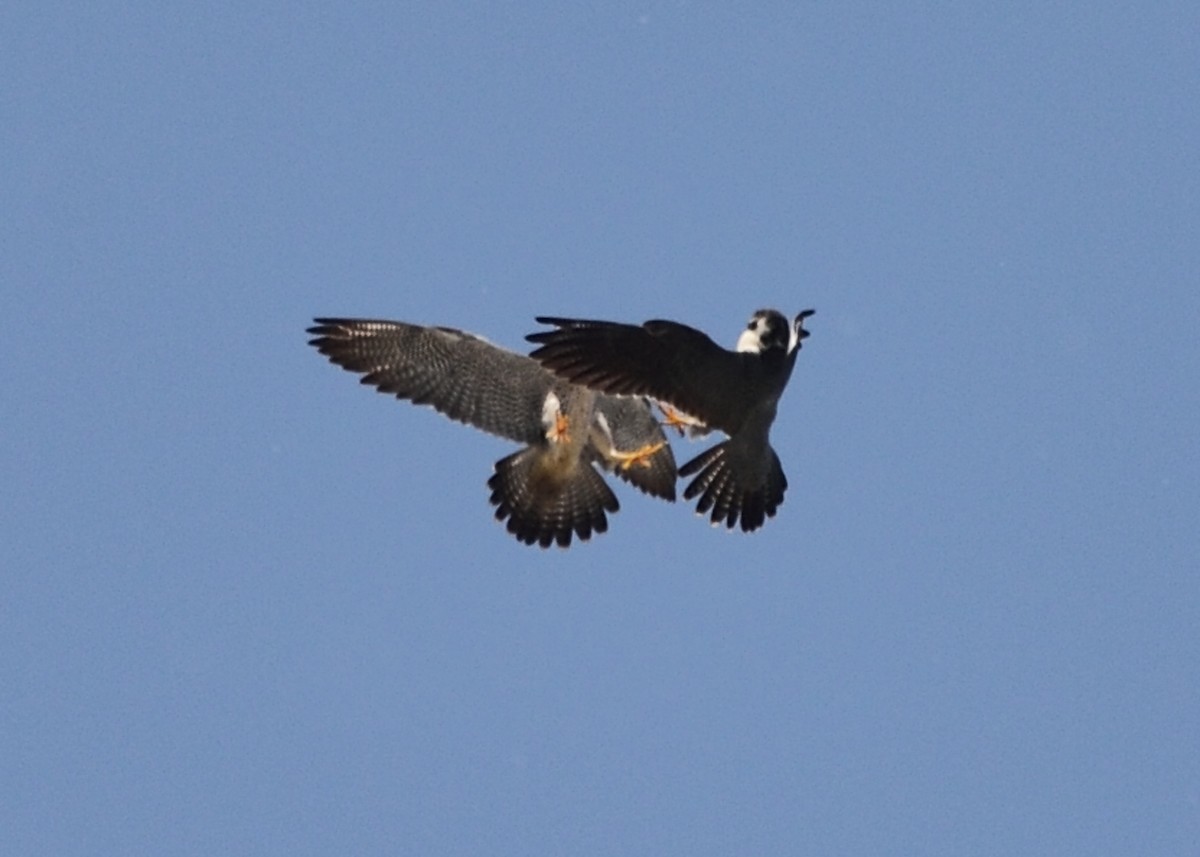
(549, 489)
(701, 386)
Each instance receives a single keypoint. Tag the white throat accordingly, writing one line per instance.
(750, 341)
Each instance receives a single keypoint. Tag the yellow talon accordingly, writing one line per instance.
(561, 424)
(676, 420)
(640, 457)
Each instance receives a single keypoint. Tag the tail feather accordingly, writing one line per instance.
(543, 510)
(735, 487)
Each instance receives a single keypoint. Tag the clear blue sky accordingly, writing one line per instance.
(250, 607)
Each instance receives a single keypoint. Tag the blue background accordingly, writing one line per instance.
(250, 607)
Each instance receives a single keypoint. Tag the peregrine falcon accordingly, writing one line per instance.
(548, 490)
(701, 386)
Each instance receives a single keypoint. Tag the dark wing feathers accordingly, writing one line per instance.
(664, 360)
(461, 375)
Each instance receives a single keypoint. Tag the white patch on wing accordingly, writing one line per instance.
(605, 430)
(798, 331)
(550, 410)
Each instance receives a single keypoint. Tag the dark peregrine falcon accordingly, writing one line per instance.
(548, 490)
(703, 386)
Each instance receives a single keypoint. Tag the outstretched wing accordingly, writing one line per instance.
(633, 427)
(461, 375)
(664, 360)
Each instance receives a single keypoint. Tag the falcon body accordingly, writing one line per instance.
(549, 490)
(702, 386)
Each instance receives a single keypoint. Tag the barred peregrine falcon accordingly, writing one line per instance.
(548, 490)
(702, 386)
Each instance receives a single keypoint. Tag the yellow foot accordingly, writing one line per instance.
(640, 457)
(559, 432)
(677, 420)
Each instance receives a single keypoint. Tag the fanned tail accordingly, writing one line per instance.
(733, 487)
(543, 510)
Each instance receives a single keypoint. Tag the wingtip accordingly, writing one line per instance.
(326, 325)
(800, 332)
(541, 336)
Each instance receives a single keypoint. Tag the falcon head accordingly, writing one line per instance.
(768, 330)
